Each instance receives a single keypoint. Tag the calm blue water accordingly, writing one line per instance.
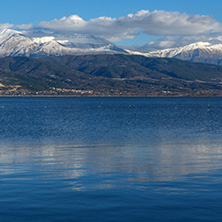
(110, 159)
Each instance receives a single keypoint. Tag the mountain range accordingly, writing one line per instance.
(16, 43)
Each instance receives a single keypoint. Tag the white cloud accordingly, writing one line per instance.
(105, 27)
(126, 27)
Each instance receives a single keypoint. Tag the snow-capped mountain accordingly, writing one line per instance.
(15, 43)
(195, 52)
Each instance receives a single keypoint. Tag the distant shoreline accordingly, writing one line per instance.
(108, 96)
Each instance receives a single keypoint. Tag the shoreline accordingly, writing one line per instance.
(123, 96)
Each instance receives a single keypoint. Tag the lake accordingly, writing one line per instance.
(110, 159)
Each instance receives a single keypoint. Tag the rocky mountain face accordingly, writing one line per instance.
(15, 43)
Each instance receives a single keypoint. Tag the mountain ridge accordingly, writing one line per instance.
(203, 52)
(15, 43)
(42, 44)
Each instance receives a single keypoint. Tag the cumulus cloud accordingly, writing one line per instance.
(152, 23)
(105, 27)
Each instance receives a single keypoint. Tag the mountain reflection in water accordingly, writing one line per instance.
(110, 165)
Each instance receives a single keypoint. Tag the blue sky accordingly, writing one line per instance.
(36, 11)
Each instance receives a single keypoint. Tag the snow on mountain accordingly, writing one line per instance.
(170, 53)
(83, 40)
(7, 33)
(15, 43)
(195, 52)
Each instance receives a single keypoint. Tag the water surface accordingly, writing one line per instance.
(110, 159)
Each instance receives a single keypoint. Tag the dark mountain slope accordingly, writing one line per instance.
(107, 75)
